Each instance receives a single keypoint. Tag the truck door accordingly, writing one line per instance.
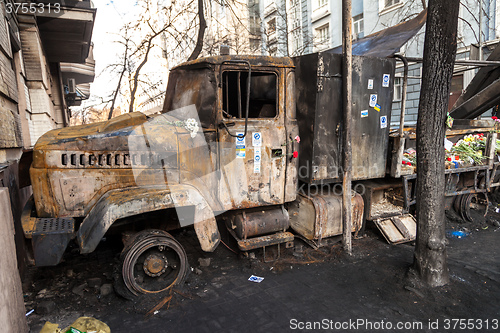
(252, 167)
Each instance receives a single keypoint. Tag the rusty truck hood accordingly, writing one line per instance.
(72, 167)
(70, 137)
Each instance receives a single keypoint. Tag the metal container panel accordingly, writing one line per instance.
(320, 216)
(319, 115)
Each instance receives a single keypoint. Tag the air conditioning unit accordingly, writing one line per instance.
(71, 86)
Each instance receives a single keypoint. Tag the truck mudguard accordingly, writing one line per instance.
(120, 203)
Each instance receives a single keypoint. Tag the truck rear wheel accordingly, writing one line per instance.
(151, 263)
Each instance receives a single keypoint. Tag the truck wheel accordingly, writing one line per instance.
(152, 262)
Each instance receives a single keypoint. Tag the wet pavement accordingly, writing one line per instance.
(322, 289)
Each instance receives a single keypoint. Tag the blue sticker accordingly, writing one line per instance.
(364, 113)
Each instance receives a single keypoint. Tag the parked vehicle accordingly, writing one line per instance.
(227, 146)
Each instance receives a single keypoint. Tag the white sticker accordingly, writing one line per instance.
(373, 100)
(240, 141)
(386, 79)
(257, 279)
(257, 139)
(364, 113)
(370, 83)
(383, 121)
(256, 160)
(240, 145)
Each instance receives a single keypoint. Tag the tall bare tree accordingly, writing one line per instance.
(439, 56)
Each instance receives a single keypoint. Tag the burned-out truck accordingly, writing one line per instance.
(253, 141)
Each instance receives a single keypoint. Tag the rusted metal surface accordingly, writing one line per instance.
(377, 205)
(387, 42)
(134, 164)
(319, 113)
(241, 186)
(126, 202)
(28, 218)
(259, 221)
(398, 229)
(262, 241)
(482, 92)
(320, 216)
(256, 61)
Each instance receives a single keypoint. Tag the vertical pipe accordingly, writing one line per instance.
(347, 106)
(480, 31)
(403, 94)
(239, 95)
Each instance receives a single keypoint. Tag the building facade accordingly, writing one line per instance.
(46, 65)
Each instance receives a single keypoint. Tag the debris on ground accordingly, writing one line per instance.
(82, 324)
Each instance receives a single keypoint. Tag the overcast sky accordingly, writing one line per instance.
(110, 18)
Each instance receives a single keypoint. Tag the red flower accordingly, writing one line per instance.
(481, 134)
(404, 162)
(295, 154)
(449, 159)
(297, 138)
(494, 117)
(457, 157)
(409, 164)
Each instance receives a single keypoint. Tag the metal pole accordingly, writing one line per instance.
(403, 95)
(480, 32)
(347, 106)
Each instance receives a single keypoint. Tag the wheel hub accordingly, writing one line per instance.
(155, 264)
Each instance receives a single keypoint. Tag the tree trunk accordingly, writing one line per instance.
(439, 56)
(201, 32)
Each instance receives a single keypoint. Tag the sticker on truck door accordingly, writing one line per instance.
(386, 80)
(256, 160)
(240, 145)
(373, 100)
(257, 139)
(364, 113)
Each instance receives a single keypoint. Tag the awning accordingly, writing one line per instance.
(387, 42)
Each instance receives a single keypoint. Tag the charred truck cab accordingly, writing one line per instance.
(225, 146)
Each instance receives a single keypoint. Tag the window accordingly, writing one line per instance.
(323, 34)
(271, 26)
(398, 88)
(389, 3)
(322, 3)
(296, 40)
(273, 51)
(263, 94)
(358, 26)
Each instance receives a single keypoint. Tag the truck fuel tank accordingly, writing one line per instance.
(259, 221)
(315, 217)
